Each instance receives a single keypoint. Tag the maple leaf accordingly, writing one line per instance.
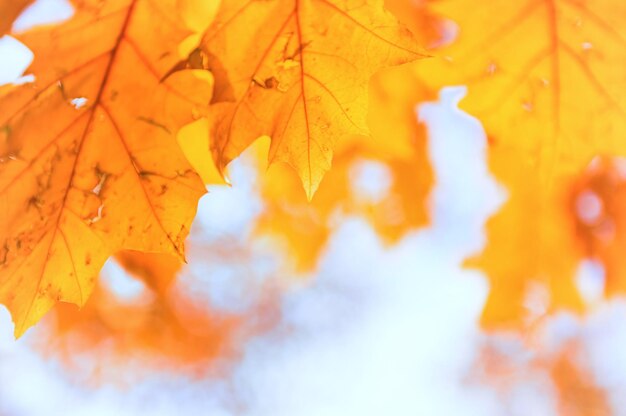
(89, 158)
(543, 76)
(9, 11)
(297, 71)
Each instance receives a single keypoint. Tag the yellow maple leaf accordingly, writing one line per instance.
(297, 71)
(545, 77)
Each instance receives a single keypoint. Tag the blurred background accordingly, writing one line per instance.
(334, 309)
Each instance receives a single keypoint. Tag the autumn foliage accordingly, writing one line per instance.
(136, 103)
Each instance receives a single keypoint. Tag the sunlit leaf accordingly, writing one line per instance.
(89, 158)
(297, 71)
(543, 76)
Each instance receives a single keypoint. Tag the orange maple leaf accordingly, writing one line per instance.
(89, 158)
(297, 71)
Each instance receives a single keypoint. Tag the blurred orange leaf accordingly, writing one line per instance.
(531, 240)
(542, 237)
(158, 271)
(163, 327)
(598, 200)
(577, 393)
(427, 27)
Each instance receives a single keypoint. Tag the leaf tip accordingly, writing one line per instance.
(310, 188)
(20, 326)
